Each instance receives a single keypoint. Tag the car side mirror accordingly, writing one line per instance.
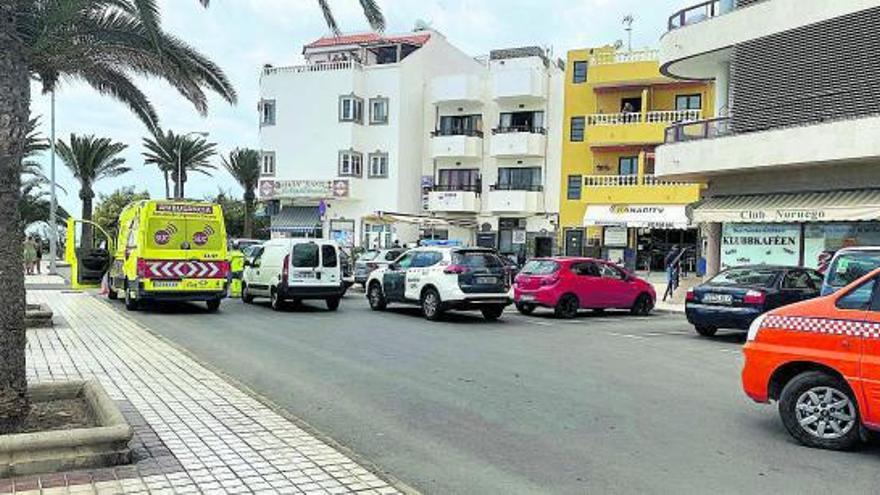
(393, 266)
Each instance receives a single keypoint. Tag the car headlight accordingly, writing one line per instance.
(755, 327)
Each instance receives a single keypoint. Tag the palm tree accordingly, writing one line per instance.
(173, 152)
(371, 11)
(91, 159)
(244, 166)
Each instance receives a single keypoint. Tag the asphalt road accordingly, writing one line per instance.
(601, 404)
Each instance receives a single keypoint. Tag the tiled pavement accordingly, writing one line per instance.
(195, 432)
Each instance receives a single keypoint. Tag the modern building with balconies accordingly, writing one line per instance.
(494, 153)
(791, 153)
(617, 107)
(342, 135)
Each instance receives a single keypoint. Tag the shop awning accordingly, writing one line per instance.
(639, 216)
(302, 219)
(849, 205)
(384, 217)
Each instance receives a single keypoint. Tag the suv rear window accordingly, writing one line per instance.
(540, 267)
(754, 277)
(476, 259)
(849, 267)
(305, 255)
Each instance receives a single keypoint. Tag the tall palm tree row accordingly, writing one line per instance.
(176, 155)
(90, 160)
(244, 166)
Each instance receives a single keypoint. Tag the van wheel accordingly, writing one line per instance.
(492, 313)
(275, 300)
(333, 303)
(131, 303)
(567, 307)
(246, 296)
(431, 305)
(819, 410)
(376, 298)
(642, 306)
(213, 305)
(705, 330)
(525, 308)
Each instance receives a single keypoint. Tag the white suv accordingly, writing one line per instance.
(440, 279)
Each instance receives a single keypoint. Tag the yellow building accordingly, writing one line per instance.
(617, 107)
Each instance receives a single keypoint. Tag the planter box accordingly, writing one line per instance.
(38, 316)
(65, 450)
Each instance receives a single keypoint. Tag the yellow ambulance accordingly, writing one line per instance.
(170, 250)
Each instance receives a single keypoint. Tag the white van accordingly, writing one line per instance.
(294, 270)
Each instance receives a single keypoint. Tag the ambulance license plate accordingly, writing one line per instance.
(165, 284)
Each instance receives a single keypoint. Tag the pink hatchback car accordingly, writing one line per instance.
(570, 284)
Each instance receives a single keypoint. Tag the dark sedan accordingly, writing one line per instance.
(736, 296)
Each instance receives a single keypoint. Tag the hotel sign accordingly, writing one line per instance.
(306, 189)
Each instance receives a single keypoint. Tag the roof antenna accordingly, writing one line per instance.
(628, 22)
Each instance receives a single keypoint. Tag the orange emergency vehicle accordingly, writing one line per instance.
(820, 359)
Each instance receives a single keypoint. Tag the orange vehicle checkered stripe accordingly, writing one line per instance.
(823, 325)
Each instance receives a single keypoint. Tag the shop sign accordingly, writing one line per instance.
(760, 244)
(638, 216)
(293, 189)
(778, 215)
(519, 237)
(615, 236)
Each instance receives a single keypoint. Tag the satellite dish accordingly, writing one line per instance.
(618, 44)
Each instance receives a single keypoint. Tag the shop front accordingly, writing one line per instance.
(796, 229)
(640, 235)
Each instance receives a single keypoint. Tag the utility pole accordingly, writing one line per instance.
(628, 22)
(53, 205)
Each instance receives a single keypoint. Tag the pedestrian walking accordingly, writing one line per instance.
(672, 261)
(30, 255)
(38, 247)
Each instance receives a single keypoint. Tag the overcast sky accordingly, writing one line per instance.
(242, 35)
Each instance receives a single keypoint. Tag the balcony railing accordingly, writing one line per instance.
(653, 117)
(628, 181)
(624, 57)
(516, 187)
(316, 67)
(519, 128)
(700, 129)
(457, 132)
(474, 188)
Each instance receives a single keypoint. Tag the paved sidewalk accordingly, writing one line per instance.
(194, 431)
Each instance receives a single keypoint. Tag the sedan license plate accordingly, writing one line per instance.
(486, 280)
(718, 298)
(527, 298)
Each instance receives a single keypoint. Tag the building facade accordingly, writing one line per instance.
(492, 151)
(342, 135)
(791, 155)
(617, 107)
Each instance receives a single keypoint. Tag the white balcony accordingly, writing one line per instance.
(514, 144)
(457, 89)
(457, 146)
(454, 201)
(315, 67)
(506, 201)
(525, 84)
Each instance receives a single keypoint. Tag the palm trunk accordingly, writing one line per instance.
(248, 213)
(167, 191)
(86, 196)
(14, 109)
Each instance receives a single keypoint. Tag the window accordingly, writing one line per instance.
(405, 261)
(378, 111)
(378, 165)
(609, 271)
(577, 128)
(689, 102)
(579, 71)
(519, 179)
(797, 280)
(586, 270)
(458, 125)
(540, 267)
(350, 164)
(628, 165)
(393, 254)
(847, 267)
(267, 112)
(858, 298)
(574, 186)
(751, 276)
(268, 167)
(351, 109)
(328, 256)
(631, 105)
(521, 122)
(425, 259)
(476, 259)
(458, 180)
(305, 255)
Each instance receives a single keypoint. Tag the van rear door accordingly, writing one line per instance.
(305, 260)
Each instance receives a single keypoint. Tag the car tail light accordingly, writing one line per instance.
(141, 268)
(691, 295)
(755, 297)
(285, 268)
(551, 280)
(455, 269)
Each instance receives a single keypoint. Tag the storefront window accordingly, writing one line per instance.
(820, 238)
(760, 244)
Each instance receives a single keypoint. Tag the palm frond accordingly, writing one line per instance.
(119, 86)
(328, 17)
(373, 13)
(244, 166)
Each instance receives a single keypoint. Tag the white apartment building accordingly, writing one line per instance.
(492, 151)
(342, 135)
(792, 157)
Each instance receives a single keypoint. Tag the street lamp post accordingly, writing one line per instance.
(53, 202)
(179, 186)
